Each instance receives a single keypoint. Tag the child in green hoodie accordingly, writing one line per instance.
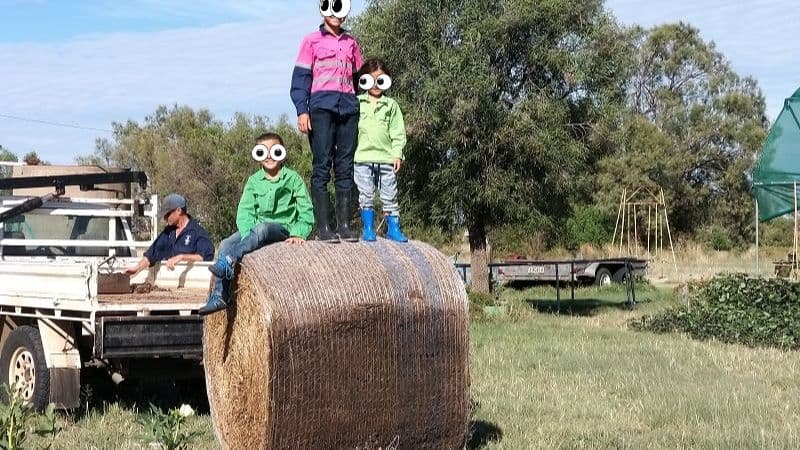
(379, 154)
(274, 207)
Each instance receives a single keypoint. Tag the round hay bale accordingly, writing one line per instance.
(341, 346)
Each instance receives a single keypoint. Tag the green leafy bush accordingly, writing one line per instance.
(777, 233)
(735, 309)
(589, 225)
(167, 429)
(18, 420)
(716, 238)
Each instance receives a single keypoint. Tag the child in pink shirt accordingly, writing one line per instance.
(327, 110)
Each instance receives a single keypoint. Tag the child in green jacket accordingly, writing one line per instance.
(274, 207)
(379, 154)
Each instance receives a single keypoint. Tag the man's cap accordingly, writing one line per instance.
(170, 202)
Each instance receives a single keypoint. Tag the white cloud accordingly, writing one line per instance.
(198, 9)
(95, 80)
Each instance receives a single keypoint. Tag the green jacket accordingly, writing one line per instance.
(381, 131)
(284, 201)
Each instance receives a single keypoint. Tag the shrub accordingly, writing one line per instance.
(168, 429)
(716, 238)
(18, 420)
(589, 225)
(734, 309)
(777, 233)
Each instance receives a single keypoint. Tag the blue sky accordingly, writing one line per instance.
(88, 63)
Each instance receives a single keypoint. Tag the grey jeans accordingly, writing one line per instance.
(371, 176)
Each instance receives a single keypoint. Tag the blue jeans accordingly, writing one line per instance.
(234, 248)
(333, 144)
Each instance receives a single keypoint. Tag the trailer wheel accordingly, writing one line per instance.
(23, 366)
(621, 275)
(602, 277)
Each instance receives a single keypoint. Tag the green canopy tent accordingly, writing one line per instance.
(777, 175)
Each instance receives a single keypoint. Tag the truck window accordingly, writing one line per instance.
(39, 226)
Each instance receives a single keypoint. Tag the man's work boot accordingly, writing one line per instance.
(368, 225)
(215, 301)
(343, 218)
(322, 217)
(393, 229)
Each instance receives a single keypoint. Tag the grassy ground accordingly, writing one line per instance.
(575, 380)
(585, 381)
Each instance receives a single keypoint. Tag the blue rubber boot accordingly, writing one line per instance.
(216, 301)
(394, 233)
(222, 268)
(368, 223)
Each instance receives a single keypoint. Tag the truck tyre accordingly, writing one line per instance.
(602, 277)
(621, 275)
(22, 365)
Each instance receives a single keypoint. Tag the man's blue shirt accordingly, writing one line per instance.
(193, 240)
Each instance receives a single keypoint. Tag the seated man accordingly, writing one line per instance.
(182, 240)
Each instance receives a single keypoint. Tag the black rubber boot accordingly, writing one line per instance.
(343, 217)
(322, 216)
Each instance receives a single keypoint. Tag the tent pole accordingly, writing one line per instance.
(758, 242)
(795, 226)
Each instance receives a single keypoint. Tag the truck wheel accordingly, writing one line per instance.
(621, 275)
(23, 366)
(602, 277)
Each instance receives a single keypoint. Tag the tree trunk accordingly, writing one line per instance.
(479, 258)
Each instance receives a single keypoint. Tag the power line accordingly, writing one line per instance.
(56, 124)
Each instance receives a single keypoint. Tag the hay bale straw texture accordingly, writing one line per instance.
(340, 347)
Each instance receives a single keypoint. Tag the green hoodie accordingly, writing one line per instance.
(381, 131)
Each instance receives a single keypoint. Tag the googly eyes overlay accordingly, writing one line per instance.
(384, 82)
(260, 152)
(277, 153)
(367, 82)
(335, 8)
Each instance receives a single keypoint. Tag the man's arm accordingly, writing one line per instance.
(140, 266)
(150, 256)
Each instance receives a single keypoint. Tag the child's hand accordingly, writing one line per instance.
(295, 240)
(396, 165)
(304, 123)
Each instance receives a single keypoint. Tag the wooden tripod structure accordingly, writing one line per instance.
(631, 220)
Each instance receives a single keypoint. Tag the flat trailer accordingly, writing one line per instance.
(66, 303)
(600, 272)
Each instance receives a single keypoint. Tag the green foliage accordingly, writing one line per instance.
(190, 152)
(168, 429)
(5, 171)
(777, 233)
(18, 420)
(501, 103)
(735, 309)
(589, 224)
(694, 128)
(523, 239)
(716, 238)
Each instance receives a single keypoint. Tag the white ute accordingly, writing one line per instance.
(65, 301)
